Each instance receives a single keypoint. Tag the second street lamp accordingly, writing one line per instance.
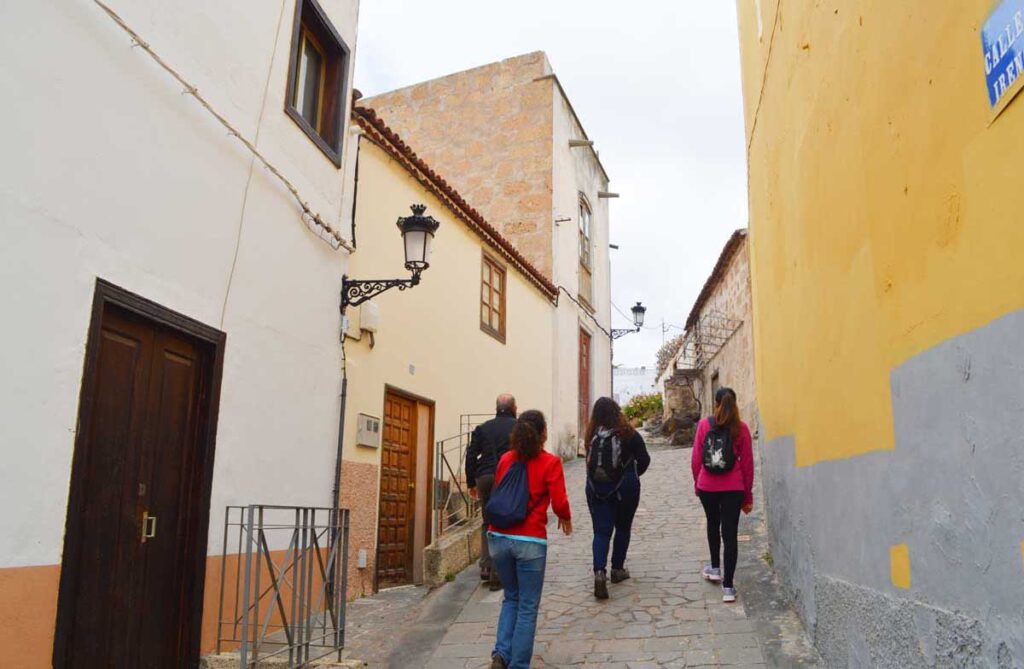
(638, 320)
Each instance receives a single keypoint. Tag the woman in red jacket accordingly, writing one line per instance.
(725, 486)
(519, 553)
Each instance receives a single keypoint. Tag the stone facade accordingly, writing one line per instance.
(359, 483)
(723, 314)
(734, 362)
(494, 143)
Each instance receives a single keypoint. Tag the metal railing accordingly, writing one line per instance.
(288, 602)
(453, 507)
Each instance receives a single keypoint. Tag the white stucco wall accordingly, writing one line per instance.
(575, 171)
(110, 171)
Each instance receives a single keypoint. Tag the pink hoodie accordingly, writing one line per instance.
(740, 477)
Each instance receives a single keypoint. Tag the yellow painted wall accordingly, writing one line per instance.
(885, 210)
(436, 325)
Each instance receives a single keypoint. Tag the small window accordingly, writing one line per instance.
(317, 86)
(585, 253)
(492, 298)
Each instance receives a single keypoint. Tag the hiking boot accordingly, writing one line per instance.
(619, 575)
(713, 574)
(485, 573)
(494, 583)
(728, 595)
(498, 662)
(600, 585)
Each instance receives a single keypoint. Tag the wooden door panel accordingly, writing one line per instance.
(169, 473)
(584, 384)
(109, 548)
(394, 538)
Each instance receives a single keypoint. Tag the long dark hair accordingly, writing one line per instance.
(607, 414)
(727, 414)
(527, 437)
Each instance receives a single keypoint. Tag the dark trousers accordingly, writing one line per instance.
(612, 513)
(723, 513)
(484, 486)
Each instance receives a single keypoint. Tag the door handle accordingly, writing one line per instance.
(148, 526)
(412, 486)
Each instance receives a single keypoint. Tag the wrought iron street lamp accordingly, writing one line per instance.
(638, 320)
(417, 235)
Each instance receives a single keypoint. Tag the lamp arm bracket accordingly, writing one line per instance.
(354, 293)
(622, 333)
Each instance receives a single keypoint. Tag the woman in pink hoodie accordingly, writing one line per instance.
(723, 475)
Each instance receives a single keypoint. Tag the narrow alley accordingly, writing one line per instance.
(665, 615)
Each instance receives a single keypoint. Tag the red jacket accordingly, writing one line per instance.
(547, 484)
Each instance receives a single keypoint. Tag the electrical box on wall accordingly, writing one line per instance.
(368, 431)
(369, 317)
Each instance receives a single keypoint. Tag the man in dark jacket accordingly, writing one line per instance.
(489, 443)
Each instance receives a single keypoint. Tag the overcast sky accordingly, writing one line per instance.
(657, 86)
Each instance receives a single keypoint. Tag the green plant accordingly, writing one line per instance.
(643, 407)
(449, 576)
(767, 557)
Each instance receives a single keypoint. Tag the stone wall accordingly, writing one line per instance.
(488, 132)
(359, 482)
(734, 362)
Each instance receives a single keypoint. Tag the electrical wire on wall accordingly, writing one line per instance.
(586, 310)
(312, 220)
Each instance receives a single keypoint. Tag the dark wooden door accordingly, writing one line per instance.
(137, 509)
(584, 390)
(398, 472)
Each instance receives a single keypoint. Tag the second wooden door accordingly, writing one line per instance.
(397, 492)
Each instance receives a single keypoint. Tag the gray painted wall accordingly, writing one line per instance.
(952, 490)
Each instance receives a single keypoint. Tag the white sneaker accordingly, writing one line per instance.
(728, 595)
(713, 574)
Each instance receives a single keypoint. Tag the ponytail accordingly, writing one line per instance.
(727, 414)
(527, 437)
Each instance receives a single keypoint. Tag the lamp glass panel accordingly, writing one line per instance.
(414, 243)
(428, 243)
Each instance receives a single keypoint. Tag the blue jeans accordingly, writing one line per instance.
(612, 512)
(520, 566)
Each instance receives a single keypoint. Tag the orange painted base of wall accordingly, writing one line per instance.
(28, 612)
(28, 609)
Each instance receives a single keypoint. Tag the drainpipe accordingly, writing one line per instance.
(355, 187)
(336, 492)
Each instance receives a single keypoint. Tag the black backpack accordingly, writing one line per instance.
(719, 455)
(606, 461)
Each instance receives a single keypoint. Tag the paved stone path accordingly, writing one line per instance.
(664, 616)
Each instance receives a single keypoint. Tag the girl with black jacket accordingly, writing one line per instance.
(613, 500)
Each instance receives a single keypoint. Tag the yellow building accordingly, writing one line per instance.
(422, 361)
(886, 237)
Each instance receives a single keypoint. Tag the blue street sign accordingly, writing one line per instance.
(1002, 38)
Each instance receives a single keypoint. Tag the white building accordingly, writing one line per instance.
(628, 382)
(172, 323)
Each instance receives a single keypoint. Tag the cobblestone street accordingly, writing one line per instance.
(664, 616)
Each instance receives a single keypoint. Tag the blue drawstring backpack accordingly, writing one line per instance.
(510, 502)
